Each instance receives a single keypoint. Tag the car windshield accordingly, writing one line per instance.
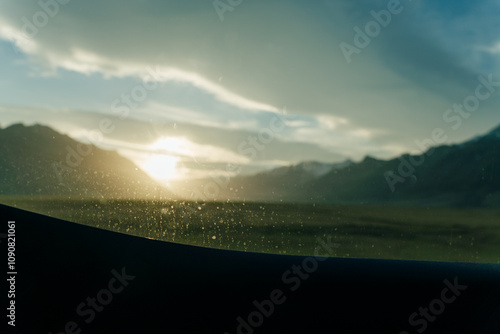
(371, 127)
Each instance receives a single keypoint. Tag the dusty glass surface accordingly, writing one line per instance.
(261, 126)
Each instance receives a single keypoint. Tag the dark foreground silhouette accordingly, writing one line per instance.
(78, 279)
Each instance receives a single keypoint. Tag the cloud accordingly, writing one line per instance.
(82, 58)
(233, 119)
(263, 62)
(495, 48)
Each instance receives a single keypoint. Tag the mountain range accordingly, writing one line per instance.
(464, 175)
(38, 161)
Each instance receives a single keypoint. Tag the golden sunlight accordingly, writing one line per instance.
(161, 167)
(174, 145)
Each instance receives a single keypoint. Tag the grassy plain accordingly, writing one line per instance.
(410, 233)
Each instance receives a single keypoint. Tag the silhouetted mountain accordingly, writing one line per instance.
(495, 132)
(466, 174)
(282, 184)
(36, 160)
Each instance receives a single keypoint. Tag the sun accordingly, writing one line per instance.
(166, 152)
(161, 167)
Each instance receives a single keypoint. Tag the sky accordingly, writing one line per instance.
(187, 88)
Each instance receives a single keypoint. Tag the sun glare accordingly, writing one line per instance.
(173, 145)
(162, 167)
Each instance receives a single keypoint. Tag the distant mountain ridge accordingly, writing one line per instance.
(38, 161)
(495, 132)
(466, 174)
(307, 170)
